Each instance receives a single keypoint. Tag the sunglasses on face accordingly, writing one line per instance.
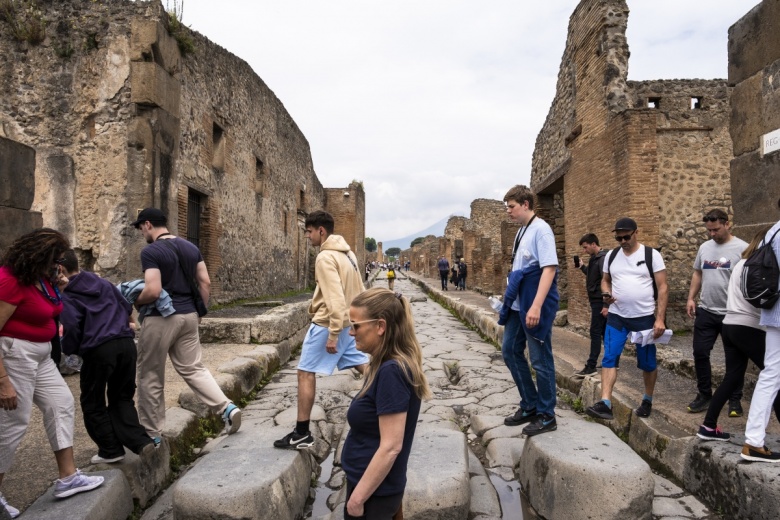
(356, 324)
(624, 238)
(713, 219)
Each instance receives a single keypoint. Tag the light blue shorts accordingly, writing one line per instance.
(315, 358)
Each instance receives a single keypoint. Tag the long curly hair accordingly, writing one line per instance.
(32, 256)
(399, 341)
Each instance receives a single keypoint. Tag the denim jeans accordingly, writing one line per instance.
(539, 396)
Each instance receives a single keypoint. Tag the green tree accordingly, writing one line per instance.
(416, 241)
(370, 244)
(393, 251)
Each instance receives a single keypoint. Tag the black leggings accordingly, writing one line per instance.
(741, 344)
(375, 508)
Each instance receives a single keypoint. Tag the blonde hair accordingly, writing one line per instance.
(399, 341)
(756, 242)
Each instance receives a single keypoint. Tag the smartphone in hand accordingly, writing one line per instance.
(576, 261)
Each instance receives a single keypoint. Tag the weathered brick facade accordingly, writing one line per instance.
(120, 120)
(657, 151)
(754, 72)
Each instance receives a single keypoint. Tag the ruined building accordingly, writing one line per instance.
(754, 72)
(125, 110)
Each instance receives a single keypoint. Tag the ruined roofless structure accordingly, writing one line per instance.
(120, 118)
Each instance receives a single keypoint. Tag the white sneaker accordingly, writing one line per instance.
(97, 459)
(76, 483)
(12, 511)
(232, 418)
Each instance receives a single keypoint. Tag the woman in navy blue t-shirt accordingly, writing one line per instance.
(383, 416)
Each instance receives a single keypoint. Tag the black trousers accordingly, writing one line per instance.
(109, 372)
(706, 328)
(375, 508)
(598, 326)
(444, 275)
(741, 344)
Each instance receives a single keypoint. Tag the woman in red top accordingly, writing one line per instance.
(29, 302)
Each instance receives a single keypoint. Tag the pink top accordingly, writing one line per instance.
(33, 319)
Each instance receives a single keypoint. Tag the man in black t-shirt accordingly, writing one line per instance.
(176, 335)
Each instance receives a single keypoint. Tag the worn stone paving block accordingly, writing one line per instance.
(482, 423)
(232, 483)
(475, 466)
(655, 439)
(665, 487)
(504, 452)
(438, 483)
(280, 323)
(229, 383)
(248, 371)
(290, 415)
(503, 431)
(484, 499)
(686, 506)
(557, 470)
(266, 355)
(146, 474)
(110, 500)
(225, 330)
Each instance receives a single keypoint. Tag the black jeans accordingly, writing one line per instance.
(444, 275)
(740, 343)
(706, 328)
(109, 371)
(598, 325)
(375, 508)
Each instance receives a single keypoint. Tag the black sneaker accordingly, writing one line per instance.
(520, 417)
(543, 423)
(700, 404)
(712, 434)
(645, 408)
(600, 410)
(735, 408)
(587, 371)
(759, 454)
(295, 441)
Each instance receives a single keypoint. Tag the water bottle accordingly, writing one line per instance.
(495, 303)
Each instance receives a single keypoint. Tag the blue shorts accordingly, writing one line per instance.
(315, 358)
(615, 337)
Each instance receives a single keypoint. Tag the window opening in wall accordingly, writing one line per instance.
(259, 177)
(301, 199)
(654, 102)
(196, 202)
(218, 149)
(695, 102)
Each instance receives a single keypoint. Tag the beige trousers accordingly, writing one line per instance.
(37, 381)
(175, 336)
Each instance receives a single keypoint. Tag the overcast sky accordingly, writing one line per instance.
(434, 103)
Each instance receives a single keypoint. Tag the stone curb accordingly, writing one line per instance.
(110, 500)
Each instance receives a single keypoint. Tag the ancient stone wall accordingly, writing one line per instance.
(348, 207)
(754, 72)
(121, 120)
(17, 191)
(656, 151)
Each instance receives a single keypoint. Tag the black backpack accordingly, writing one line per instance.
(648, 262)
(462, 269)
(760, 276)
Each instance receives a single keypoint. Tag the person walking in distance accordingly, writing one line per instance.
(463, 272)
(593, 272)
(390, 277)
(171, 263)
(633, 274)
(444, 271)
(96, 325)
(711, 273)
(529, 308)
(328, 344)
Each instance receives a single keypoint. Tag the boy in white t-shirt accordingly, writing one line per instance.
(631, 292)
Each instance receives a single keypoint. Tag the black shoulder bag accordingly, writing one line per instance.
(200, 305)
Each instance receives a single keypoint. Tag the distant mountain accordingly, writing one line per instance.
(436, 229)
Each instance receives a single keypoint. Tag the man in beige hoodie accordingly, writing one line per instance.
(327, 344)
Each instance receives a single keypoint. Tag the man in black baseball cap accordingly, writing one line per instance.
(152, 215)
(623, 224)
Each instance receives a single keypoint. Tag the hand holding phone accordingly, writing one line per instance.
(576, 261)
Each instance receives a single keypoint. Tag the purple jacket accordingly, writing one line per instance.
(94, 312)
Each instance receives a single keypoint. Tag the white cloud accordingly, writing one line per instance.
(435, 103)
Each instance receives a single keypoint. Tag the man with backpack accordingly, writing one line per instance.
(769, 379)
(711, 273)
(634, 280)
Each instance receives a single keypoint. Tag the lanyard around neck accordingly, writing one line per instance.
(520, 235)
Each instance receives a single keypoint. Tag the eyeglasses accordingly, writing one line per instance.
(356, 324)
(713, 219)
(624, 238)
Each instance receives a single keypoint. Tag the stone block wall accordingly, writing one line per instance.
(17, 191)
(121, 120)
(754, 72)
(348, 207)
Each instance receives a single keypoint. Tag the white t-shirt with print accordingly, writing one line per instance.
(632, 286)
